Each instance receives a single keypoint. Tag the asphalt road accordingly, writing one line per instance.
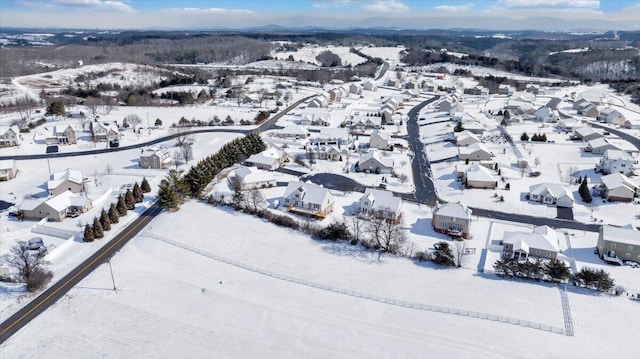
(625, 136)
(263, 127)
(47, 298)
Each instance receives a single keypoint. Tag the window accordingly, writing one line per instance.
(537, 252)
(613, 245)
(627, 255)
(629, 248)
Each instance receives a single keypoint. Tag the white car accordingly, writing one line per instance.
(632, 264)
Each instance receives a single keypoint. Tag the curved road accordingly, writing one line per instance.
(45, 299)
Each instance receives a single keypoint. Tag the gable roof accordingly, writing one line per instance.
(312, 192)
(65, 200)
(474, 147)
(59, 178)
(618, 155)
(382, 200)
(601, 142)
(479, 173)
(543, 238)
(621, 235)
(456, 210)
(616, 180)
(556, 190)
(374, 155)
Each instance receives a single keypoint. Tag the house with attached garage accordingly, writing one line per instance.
(378, 140)
(155, 157)
(57, 208)
(369, 86)
(308, 199)
(251, 177)
(612, 116)
(569, 124)
(10, 136)
(477, 176)
(8, 169)
(69, 180)
(586, 134)
(332, 136)
(541, 243)
(618, 244)
(452, 218)
(618, 187)
(466, 138)
(600, 145)
(269, 159)
(380, 204)
(474, 152)
(587, 109)
(616, 161)
(292, 132)
(355, 89)
(374, 162)
(546, 114)
(104, 132)
(60, 135)
(551, 193)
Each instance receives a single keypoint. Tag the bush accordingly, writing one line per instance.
(38, 279)
(334, 231)
(422, 256)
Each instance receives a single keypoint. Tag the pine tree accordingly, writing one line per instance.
(557, 270)
(137, 193)
(524, 137)
(88, 233)
(167, 196)
(105, 222)
(114, 217)
(129, 200)
(443, 255)
(144, 186)
(97, 228)
(585, 194)
(121, 206)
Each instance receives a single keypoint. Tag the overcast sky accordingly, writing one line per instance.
(185, 14)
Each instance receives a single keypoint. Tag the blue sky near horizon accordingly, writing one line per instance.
(186, 13)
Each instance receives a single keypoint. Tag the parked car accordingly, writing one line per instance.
(632, 264)
(114, 142)
(35, 244)
(52, 149)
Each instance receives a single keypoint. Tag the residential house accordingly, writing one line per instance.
(292, 132)
(551, 193)
(319, 101)
(541, 243)
(466, 138)
(546, 114)
(380, 204)
(355, 89)
(308, 199)
(594, 95)
(251, 177)
(616, 244)
(598, 146)
(505, 90)
(452, 218)
(379, 140)
(373, 162)
(586, 133)
(569, 124)
(325, 152)
(456, 108)
(587, 109)
(474, 152)
(334, 95)
(313, 119)
(56, 208)
(362, 123)
(612, 116)
(332, 136)
(68, 180)
(269, 159)
(60, 135)
(615, 161)
(104, 132)
(10, 136)
(155, 157)
(446, 104)
(476, 176)
(579, 101)
(553, 103)
(8, 169)
(618, 187)
(369, 86)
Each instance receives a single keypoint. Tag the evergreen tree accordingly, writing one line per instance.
(524, 137)
(105, 222)
(88, 233)
(121, 206)
(97, 229)
(167, 196)
(443, 255)
(585, 194)
(144, 186)
(137, 193)
(129, 201)
(556, 270)
(114, 217)
(459, 127)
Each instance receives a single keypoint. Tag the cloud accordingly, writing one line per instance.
(386, 6)
(582, 4)
(212, 10)
(454, 8)
(97, 5)
(332, 4)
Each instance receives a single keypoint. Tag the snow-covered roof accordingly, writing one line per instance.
(294, 130)
(7, 164)
(30, 204)
(616, 180)
(474, 147)
(618, 155)
(4, 129)
(59, 178)
(382, 200)
(65, 200)
(456, 210)
(160, 151)
(375, 155)
(543, 238)
(312, 193)
(479, 173)
(267, 157)
(621, 235)
(466, 134)
(252, 175)
(556, 190)
(601, 142)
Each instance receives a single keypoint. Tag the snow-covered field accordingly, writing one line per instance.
(308, 54)
(203, 282)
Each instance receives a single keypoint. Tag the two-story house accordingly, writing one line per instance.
(380, 204)
(308, 199)
(155, 157)
(616, 244)
(10, 136)
(452, 218)
(616, 161)
(541, 243)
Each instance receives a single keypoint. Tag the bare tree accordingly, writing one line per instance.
(133, 120)
(356, 225)
(30, 265)
(374, 231)
(262, 96)
(393, 237)
(93, 105)
(459, 249)
(107, 106)
(182, 135)
(186, 152)
(254, 198)
(26, 108)
(403, 178)
(176, 157)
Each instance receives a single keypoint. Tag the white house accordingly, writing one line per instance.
(269, 159)
(8, 169)
(292, 132)
(612, 116)
(466, 138)
(155, 157)
(355, 89)
(474, 152)
(452, 218)
(618, 187)
(616, 161)
(551, 193)
(332, 136)
(541, 243)
(380, 204)
(55, 208)
(599, 146)
(104, 132)
(68, 180)
(586, 133)
(373, 162)
(378, 140)
(251, 177)
(308, 199)
(369, 86)
(546, 114)
(569, 124)
(10, 136)
(62, 135)
(476, 176)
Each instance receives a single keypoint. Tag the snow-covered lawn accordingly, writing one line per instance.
(200, 283)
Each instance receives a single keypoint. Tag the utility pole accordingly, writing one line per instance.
(111, 271)
(49, 165)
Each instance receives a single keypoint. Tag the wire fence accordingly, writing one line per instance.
(365, 295)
